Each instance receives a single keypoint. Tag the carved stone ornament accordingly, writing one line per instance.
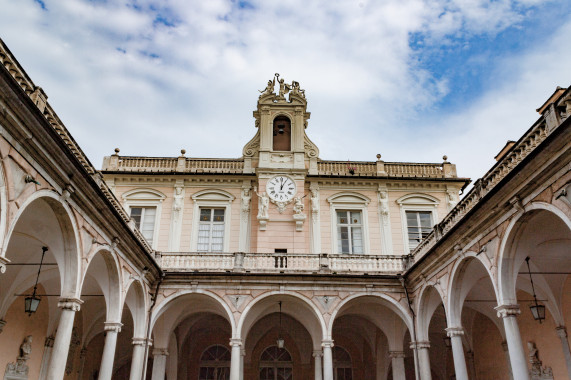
(19, 369)
(537, 372)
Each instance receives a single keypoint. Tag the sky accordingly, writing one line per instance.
(412, 80)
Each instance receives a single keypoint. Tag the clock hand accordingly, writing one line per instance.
(282, 182)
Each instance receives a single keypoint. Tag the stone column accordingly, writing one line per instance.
(106, 367)
(138, 359)
(507, 354)
(58, 360)
(518, 360)
(471, 364)
(48, 345)
(562, 332)
(242, 355)
(422, 350)
(397, 361)
(82, 356)
(327, 359)
(159, 363)
(318, 371)
(236, 345)
(455, 334)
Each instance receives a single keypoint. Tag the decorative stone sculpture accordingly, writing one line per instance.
(263, 204)
(19, 369)
(298, 214)
(284, 89)
(537, 372)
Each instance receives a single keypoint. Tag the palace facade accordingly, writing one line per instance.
(278, 264)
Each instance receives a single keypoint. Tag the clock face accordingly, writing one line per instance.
(281, 188)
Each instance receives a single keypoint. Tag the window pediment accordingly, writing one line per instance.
(144, 194)
(213, 195)
(349, 198)
(418, 199)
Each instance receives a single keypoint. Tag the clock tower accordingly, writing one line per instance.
(281, 155)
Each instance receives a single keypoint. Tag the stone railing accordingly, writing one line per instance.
(172, 164)
(384, 169)
(534, 137)
(280, 263)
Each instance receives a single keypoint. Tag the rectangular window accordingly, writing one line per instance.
(211, 230)
(419, 225)
(349, 232)
(144, 218)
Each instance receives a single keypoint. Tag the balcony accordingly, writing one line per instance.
(281, 263)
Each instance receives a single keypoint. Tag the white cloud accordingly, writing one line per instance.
(118, 77)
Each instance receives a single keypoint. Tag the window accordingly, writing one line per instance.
(349, 232)
(276, 364)
(418, 216)
(342, 368)
(419, 226)
(211, 217)
(349, 223)
(215, 364)
(211, 230)
(144, 218)
(144, 206)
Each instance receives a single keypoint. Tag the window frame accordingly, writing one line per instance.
(144, 198)
(349, 201)
(211, 198)
(211, 223)
(420, 203)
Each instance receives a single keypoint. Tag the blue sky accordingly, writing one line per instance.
(410, 79)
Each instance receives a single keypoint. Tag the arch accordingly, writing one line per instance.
(69, 264)
(252, 314)
(384, 300)
(220, 308)
(110, 285)
(460, 285)
(137, 303)
(429, 299)
(508, 263)
(3, 206)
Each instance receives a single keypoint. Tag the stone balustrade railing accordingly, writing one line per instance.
(280, 263)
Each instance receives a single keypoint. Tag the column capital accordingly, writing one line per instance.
(235, 342)
(112, 326)
(454, 331)
(3, 262)
(142, 341)
(327, 343)
(73, 304)
(2, 324)
(160, 352)
(505, 311)
(420, 345)
(396, 354)
(561, 331)
(49, 342)
(317, 353)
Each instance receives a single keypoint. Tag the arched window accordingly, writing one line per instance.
(282, 134)
(276, 364)
(342, 368)
(215, 363)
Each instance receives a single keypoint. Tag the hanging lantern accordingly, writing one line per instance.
(32, 302)
(537, 310)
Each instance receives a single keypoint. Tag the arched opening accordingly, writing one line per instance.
(371, 331)
(215, 363)
(276, 364)
(187, 326)
(43, 222)
(543, 235)
(472, 302)
(342, 366)
(282, 134)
